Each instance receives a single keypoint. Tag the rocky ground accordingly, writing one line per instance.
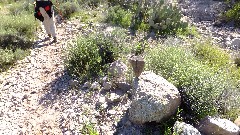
(37, 96)
(30, 91)
(205, 15)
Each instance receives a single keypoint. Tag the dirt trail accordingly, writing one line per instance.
(24, 98)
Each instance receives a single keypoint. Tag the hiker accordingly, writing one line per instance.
(44, 12)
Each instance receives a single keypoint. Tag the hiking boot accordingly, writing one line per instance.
(54, 39)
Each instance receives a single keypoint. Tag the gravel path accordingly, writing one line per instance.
(26, 107)
(37, 97)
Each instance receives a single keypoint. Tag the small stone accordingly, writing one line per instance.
(103, 79)
(112, 112)
(86, 85)
(128, 123)
(138, 64)
(67, 133)
(102, 100)
(107, 85)
(114, 98)
(95, 86)
(33, 92)
(73, 83)
(1, 114)
(235, 44)
(25, 97)
(1, 79)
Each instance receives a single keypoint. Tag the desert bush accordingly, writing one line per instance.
(22, 25)
(233, 14)
(17, 31)
(9, 57)
(205, 87)
(159, 16)
(20, 7)
(211, 54)
(13, 42)
(69, 8)
(119, 16)
(165, 18)
(91, 55)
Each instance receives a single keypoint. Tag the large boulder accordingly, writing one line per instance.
(154, 99)
(235, 44)
(218, 126)
(182, 128)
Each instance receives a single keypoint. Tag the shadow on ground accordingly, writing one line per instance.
(56, 89)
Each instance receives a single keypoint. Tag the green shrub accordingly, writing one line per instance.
(69, 8)
(211, 54)
(22, 25)
(16, 37)
(13, 42)
(159, 16)
(204, 86)
(165, 18)
(20, 7)
(90, 3)
(233, 14)
(88, 129)
(119, 16)
(9, 57)
(91, 55)
(190, 31)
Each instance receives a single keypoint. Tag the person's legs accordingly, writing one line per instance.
(49, 24)
(53, 28)
(46, 21)
(47, 27)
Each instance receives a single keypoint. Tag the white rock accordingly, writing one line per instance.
(114, 97)
(182, 128)
(235, 43)
(101, 100)
(73, 83)
(218, 126)
(95, 86)
(112, 112)
(154, 99)
(103, 79)
(107, 85)
(237, 121)
(87, 85)
(117, 69)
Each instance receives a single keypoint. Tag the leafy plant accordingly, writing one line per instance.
(68, 8)
(91, 55)
(22, 25)
(8, 57)
(204, 86)
(119, 16)
(233, 14)
(211, 54)
(88, 129)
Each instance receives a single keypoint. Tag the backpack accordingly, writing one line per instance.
(47, 5)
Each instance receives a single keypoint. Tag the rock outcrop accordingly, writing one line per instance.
(182, 128)
(154, 99)
(218, 126)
